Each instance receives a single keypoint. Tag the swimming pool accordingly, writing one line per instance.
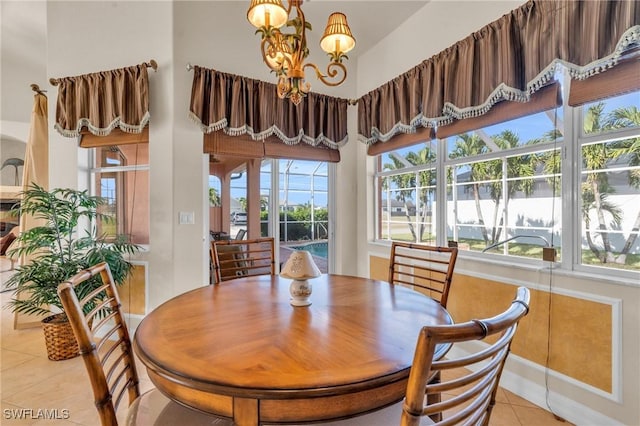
(318, 249)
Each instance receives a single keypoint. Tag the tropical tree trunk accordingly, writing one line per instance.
(622, 258)
(592, 246)
(602, 226)
(408, 216)
(495, 231)
(476, 197)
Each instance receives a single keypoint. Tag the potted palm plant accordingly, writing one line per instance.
(66, 243)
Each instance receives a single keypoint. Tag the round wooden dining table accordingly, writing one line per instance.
(239, 349)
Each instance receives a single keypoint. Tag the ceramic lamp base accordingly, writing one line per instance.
(300, 291)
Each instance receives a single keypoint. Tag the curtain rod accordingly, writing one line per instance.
(151, 64)
(37, 89)
(349, 101)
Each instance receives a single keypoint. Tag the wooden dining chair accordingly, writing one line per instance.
(242, 258)
(466, 394)
(425, 268)
(94, 312)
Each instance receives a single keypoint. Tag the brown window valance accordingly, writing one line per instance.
(240, 105)
(507, 60)
(624, 78)
(103, 101)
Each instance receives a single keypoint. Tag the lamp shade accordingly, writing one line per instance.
(337, 36)
(267, 13)
(300, 266)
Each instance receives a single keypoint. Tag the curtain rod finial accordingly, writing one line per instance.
(54, 81)
(153, 64)
(37, 89)
(189, 66)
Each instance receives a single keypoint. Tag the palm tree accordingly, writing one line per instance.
(468, 146)
(214, 197)
(596, 188)
(426, 179)
(522, 166)
(243, 203)
(602, 204)
(403, 180)
(624, 118)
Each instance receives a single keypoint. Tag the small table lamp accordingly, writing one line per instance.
(300, 267)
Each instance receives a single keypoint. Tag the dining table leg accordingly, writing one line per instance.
(245, 412)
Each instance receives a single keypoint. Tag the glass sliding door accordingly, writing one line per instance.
(302, 189)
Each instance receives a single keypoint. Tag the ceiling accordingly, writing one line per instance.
(24, 40)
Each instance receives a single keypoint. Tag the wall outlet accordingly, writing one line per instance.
(549, 254)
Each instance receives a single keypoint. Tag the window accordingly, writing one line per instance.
(121, 175)
(297, 191)
(504, 189)
(503, 186)
(610, 182)
(406, 181)
(304, 200)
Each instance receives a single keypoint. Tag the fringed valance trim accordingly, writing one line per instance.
(501, 93)
(257, 111)
(526, 55)
(400, 128)
(103, 131)
(275, 131)
(630, 38)
(272, 131)
(213, 127)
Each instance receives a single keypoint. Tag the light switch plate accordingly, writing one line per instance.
(186, 218)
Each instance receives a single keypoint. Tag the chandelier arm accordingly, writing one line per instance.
(264, 48)
(332, 72)
(299, 54)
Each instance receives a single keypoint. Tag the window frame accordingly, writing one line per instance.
(94, 171)
(569, 146)
(583, 139)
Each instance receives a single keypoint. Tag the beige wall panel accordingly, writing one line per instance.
(581, 339)
(378, 268)
(132, 291)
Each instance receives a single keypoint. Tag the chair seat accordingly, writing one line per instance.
(388, 416)
(152, 408)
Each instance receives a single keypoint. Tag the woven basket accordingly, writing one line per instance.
(59, 339)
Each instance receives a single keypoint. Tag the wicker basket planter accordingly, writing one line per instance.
(59, 339)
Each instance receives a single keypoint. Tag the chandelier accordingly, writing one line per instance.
(285, 52)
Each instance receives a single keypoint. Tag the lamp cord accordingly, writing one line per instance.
(550, 304)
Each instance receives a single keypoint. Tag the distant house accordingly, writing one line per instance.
(398, 208)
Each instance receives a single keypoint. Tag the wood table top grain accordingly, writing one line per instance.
(240, 349)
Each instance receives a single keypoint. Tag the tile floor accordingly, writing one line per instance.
(29, 380)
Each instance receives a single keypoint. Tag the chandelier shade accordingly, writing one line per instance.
(264, 13)
(337, 36)
(285, 53)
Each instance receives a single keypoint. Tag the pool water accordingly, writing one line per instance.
(316, 249)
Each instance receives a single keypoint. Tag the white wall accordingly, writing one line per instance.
(419, 38)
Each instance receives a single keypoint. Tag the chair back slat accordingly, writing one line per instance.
(242, 258)
(424, 268)
(466, 387)
(111, 376)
